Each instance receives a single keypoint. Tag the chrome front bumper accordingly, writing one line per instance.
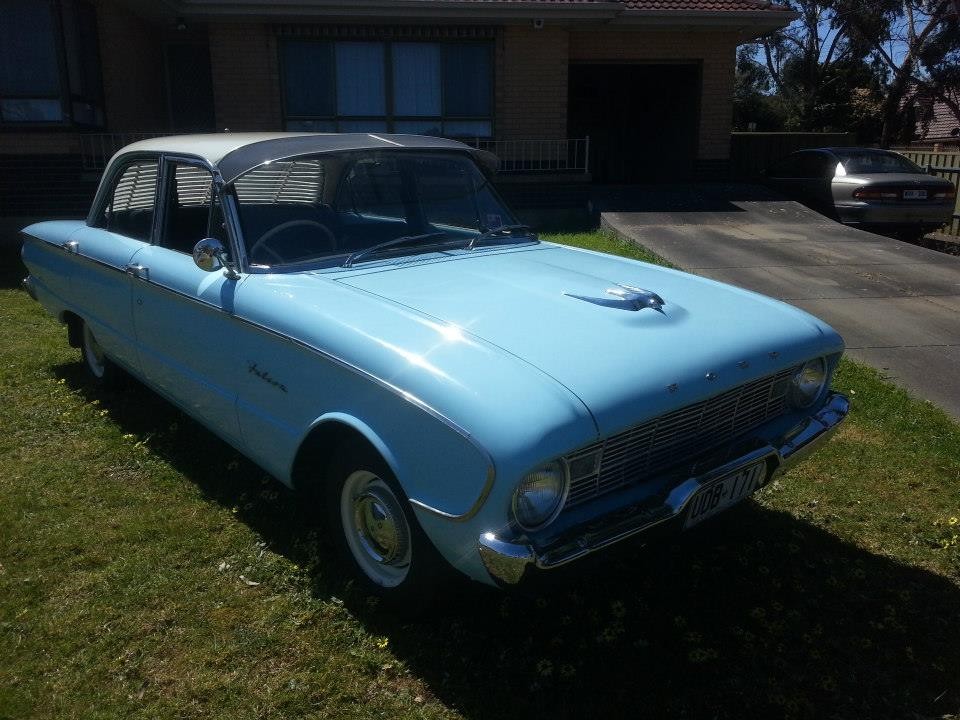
(507, 560)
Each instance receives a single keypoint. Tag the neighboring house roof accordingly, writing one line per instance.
(944, 124)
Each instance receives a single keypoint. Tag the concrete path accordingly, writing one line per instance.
(896, 305)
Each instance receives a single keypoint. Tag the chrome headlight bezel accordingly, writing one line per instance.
(557, 469)
(808, 384)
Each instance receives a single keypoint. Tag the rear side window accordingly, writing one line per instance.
(132, 202)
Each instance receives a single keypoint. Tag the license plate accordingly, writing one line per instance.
(914, 194)
(721, 494)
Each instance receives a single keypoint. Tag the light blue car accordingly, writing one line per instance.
(364, 318)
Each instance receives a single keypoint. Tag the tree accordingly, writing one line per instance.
(917, 45)
(818, 70)
(754, 108)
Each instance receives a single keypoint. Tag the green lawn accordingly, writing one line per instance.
(148, 571)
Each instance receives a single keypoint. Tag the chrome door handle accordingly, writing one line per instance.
(138, 271)
(71, 246)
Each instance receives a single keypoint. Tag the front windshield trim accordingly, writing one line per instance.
(441, 192)
(443, 252)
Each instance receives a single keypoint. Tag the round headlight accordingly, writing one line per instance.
(809, 382)
(539, 495)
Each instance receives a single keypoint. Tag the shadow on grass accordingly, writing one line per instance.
(755, 615)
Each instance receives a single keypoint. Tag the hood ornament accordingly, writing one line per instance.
(626, 297)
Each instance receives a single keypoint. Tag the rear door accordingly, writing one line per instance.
(122, 225)
(182, 314)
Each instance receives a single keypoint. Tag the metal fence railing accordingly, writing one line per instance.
(565, 155)
(942, 164)
(96, 149)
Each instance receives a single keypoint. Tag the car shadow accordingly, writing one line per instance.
(757, 614)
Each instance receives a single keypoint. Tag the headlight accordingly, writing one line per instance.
(539, 495)
(809, 382)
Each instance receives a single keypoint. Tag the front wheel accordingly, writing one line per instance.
(376, 533)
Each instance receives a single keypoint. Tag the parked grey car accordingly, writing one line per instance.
(877, 189)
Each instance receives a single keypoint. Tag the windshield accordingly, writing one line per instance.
(870, 163)
(322, 209)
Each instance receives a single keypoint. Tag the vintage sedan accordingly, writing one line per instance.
(364, 318)
(865, 187)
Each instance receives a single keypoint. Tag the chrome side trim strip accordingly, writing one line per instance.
(478, 503)
(401, 393)
(76, 254)
(409, 397)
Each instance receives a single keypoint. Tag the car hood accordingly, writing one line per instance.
(550, 307)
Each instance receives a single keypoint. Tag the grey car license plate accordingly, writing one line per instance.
(914, 194)
(720, 494)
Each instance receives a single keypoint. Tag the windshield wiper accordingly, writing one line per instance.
(501, 232)
(373, 249)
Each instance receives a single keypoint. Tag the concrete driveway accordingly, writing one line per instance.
(896, 305)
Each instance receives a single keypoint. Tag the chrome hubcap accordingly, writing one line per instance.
(375, 528)
(93, 353)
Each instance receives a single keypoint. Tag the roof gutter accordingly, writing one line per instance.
(749, 23)
(344, 10)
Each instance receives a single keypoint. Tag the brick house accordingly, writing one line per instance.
(649, 82)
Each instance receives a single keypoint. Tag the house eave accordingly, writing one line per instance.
(748, 23)
(385, 10)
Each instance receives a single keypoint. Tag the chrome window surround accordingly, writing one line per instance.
(655, 445)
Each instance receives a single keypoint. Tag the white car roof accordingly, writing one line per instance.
(236, 153)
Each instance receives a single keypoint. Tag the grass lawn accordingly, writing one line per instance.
(149, 571)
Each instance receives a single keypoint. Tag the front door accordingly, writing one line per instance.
(182, 314)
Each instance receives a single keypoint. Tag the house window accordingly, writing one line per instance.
(424, 88)
(49, 63)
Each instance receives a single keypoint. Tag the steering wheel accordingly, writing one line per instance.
(262, 242)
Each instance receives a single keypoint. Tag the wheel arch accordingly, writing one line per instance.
(74, 325)
(329, 435)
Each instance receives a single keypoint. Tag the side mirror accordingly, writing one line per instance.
(208, 254)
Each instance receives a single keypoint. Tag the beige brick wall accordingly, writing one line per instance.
(246, 77)
(531, 83)
(39, 142)
(716, 52)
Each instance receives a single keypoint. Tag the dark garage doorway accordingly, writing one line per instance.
(189, 87)
(642, 119)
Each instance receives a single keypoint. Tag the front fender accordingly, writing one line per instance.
(442, 469)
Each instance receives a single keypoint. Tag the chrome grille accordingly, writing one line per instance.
(654, 446)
